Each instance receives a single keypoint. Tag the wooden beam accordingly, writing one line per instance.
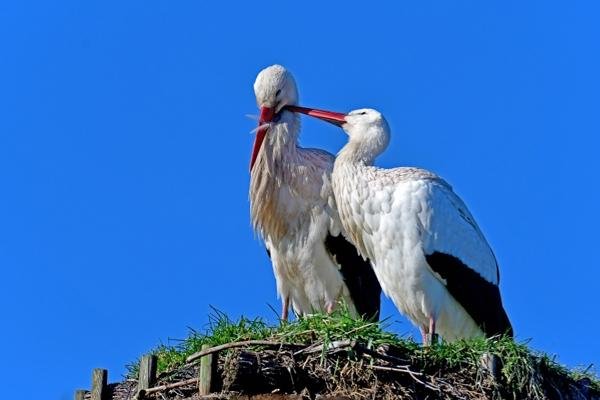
(205, 375)
(99, 384)
(147, 372)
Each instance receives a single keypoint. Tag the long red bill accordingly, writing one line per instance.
(332, 117)
(266, 115)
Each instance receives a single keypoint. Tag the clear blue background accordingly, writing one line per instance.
(124, 149)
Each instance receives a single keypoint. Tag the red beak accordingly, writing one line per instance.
(335, 118)
(266, 115)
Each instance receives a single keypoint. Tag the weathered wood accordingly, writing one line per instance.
(99, 384)
(253, 372)
(147, 372)
(80, 394)
(210, 350)
(206, 370)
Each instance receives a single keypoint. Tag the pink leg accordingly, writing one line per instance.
(329, 308)
(423, 335)
(432, 335)
(284, 309)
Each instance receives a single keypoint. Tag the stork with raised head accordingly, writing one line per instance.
(293, 209)
(427, 250)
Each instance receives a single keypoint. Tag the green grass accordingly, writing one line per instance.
(520, 364)
(220, 330)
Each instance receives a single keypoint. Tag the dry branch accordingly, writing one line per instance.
(170, 386)
(363, 349)
(329, 347)
(406, 370)
(244, 343)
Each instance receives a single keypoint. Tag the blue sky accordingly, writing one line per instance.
(124, 149)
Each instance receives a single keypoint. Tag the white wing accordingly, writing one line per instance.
(453, 231)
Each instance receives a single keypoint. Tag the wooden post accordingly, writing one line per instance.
(80, 394)
(99, 384)
(147, 373)
(205, 377)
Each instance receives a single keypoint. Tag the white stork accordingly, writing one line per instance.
(293, 209)
(428, 253)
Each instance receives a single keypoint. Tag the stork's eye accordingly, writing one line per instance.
(277, 93)
(363, 113)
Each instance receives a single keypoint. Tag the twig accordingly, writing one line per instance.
(374, 354)
(335, 345)
(170, 386)
(215, 349)
(358, 328)
(406, 370)
(399, 368)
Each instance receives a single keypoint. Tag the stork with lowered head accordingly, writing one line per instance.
(292, 208)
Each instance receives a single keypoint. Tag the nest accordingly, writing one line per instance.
(353, 370)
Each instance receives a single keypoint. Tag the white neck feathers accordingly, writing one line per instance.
(278, 153)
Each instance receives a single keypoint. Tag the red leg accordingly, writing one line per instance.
(423, 335)
(284, 309)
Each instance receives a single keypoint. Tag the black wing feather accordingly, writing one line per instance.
(358, 275)
(480, 298)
